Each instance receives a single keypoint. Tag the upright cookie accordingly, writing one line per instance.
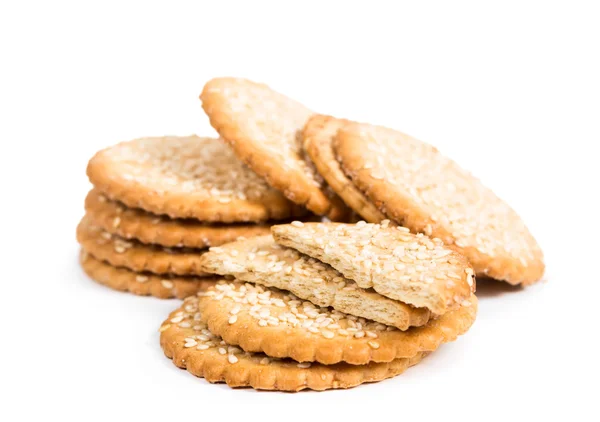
(186, 177)
(318, 136)
(413, 269)
(428, 192)
(134, 223)
(143, 284)
(136, 256)
(264, 127)
(260, 260)
(280, 325)
(188, 342)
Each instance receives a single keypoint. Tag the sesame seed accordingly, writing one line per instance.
(167, 284)
(232, 359)
(141, 278)
(373, 344)
(303, 365)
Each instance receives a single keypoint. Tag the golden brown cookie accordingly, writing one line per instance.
(137, 256)
(263, 127)
(318, 136)
(428, 192)
(413, 269)
(134, 223)
(188, 342)
(277, 323)
(143, 284)
(260, 260)
(186, 177)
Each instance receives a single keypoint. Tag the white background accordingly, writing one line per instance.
(509, 89)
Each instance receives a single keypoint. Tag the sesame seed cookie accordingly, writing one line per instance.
(413, 269)
(277, 323)
(428, 192)
(137, 256)
(134, 223)
(186, 177)
(186, 340)
(260, 260)
(142, 284)
(263, 127)
(318, 136)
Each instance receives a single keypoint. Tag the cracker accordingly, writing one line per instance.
(428, 192)
(186, 177)
(188, 342)
(134, 223)
(263, 127)
(137, 256)
(413, 269)
(143, 284)
(260, 260)
(318, 135)
(277, 323)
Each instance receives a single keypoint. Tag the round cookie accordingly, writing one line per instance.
(280, 325)
(188, 342)
(186, 177)
(318, 135)
(134, 223)
(136, 256)
(260, 260)
(427, 192)
(142, 284)
(263, 127)
(413, 269)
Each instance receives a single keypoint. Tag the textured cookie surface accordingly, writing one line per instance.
(264, 128)
(137, 256)
(427, 192)
(186, 177)
(189, 343)
(410, 268)
(143, 284)
(318, 136)
(260, 260)
(277, 323)
(134, 223)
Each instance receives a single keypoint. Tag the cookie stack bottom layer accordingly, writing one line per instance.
(191, 345)
(249, 335)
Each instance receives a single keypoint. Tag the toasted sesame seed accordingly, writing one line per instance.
(167, 284)
(373, 344)
(303, 365)
(232, 359)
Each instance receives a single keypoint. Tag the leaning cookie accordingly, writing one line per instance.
(188, 342)
(134, 223)
(260, 260)
(413, 269)
(318, 136)
(142, 284)
(263, 128)
(186, 177)
(280, 325)
(428, 192)
(137, 256)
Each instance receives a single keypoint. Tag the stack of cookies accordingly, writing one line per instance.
(159, 203)
(306, 305)
(322, 305)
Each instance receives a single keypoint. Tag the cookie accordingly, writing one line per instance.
(318, 136)
(134, 223)
(427, 192)
(260, 260)
(137, 256)
(143, 284)
(188, 342)
(411, 268)
(264, 128)
(277, 323)
(186, 177)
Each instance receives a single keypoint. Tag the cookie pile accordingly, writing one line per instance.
(290, 321)
(159, 203)
(305, 305)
